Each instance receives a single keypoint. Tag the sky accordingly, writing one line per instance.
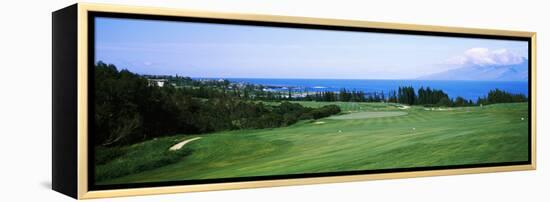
(240, 51)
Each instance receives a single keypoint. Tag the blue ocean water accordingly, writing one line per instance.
(466, 89)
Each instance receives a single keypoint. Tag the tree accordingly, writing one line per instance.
(406, 95)
(460, 102)
(129, 108)
(499, 96)
(445, 101)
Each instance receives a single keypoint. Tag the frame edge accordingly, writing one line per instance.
(163, 11)
(82, 100)
(85, 193)
(64, 104)
(534, 100)
(294, 182)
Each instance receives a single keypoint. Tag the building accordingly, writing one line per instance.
(157, 82)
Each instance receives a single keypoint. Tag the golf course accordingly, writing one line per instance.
(205, 102)
(364, 136)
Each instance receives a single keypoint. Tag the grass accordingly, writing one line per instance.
(368, 115)
(347, 107)
(137, 158)
(469, 135)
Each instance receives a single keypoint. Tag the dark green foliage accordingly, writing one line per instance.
(375, 97)
(445, 101)
(500, 96)
(406, 95)
(117, 105)
(461, 102)
(392, 96)
(131, 109)
(344, 95)
(435, 97)
(349, 96)
(328, 96)
(324, 111)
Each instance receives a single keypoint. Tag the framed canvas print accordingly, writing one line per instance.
(155, 100)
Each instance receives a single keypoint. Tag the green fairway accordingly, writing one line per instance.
(365, 136)
(367, 115)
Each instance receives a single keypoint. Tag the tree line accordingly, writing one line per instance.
(500, 96)
(129, 108)
(427, 97)
(434, 97)
(424, 96)
(404, 94)
(344, 95)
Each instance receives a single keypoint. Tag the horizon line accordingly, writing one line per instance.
(298, 78)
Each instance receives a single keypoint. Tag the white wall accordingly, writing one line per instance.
(25, 102)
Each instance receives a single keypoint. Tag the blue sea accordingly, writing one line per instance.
(466, 89)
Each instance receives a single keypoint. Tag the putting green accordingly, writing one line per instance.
(367, 115)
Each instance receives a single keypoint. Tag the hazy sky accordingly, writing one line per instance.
(225, 51)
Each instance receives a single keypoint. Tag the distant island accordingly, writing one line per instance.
(474, 72)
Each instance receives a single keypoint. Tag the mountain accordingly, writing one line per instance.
(513, 72)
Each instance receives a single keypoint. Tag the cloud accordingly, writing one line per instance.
(484, 57)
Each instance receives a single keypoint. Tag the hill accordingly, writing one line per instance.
(509, 72)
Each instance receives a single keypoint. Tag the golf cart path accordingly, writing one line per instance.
(180, 145)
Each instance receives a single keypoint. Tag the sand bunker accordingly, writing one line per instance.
(180, 145)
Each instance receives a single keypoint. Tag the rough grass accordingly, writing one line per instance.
(469, 135)
(120, 161)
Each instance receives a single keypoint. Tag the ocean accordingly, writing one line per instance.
(466, 89)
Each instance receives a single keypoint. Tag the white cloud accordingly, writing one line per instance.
(484, 56)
